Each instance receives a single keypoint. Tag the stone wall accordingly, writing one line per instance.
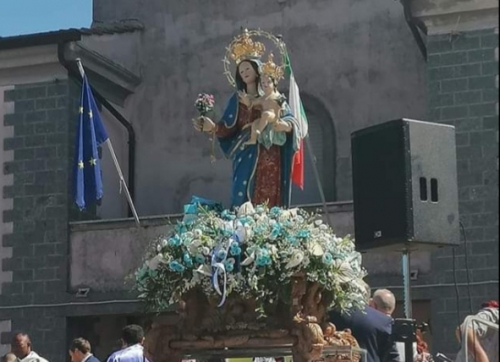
(39, 238)
(6, 107)
(463, 91)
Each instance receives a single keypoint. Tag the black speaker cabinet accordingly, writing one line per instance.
(405, 186)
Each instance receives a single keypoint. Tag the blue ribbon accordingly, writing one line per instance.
(219, 268)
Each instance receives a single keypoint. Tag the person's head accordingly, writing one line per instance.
(132, 335)
(490, 304)
(9, 357)
(267, 84)
(247, 72)
(21, 345)
(384, 301)
(79, 349)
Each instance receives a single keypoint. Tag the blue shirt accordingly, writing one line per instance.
(133, 353)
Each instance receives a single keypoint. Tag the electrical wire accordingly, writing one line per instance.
(455, 284)
(462, 228)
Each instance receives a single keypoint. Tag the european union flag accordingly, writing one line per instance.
(91, 133)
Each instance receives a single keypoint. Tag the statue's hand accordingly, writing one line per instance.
(204, 124)
(245, 98)
(282, 126)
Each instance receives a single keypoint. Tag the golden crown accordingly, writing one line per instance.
(243, 47)
(271, 69)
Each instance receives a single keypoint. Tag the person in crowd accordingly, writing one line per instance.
(9, 357)
(21, 347)
(133, 350)
(80, 351)
(372, 329)
(482, 340)
(384, 301)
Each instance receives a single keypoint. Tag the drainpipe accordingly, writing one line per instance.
(415, 25)
(73, 73)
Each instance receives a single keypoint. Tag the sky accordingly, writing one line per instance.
(19, 17)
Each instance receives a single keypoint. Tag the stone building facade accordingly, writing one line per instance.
(62, 272)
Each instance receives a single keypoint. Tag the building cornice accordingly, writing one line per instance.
(450, 16)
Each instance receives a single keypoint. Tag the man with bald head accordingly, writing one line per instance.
(384, 301)
(371, 328)
(21, 347)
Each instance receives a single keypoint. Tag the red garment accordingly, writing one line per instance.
(268, 172)
(490, 304)
(298, 167)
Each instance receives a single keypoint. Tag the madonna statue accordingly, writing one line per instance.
(262, 170)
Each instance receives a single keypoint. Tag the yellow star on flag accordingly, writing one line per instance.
(80, 165)
(90, 114)
(80, 110)
(93, 162)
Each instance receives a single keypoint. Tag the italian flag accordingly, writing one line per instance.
(299, 113)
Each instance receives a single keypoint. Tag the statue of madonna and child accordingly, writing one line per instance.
(257, 131)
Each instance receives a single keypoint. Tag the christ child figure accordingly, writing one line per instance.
(271, 101)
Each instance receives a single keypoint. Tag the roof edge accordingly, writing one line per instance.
(38, 39)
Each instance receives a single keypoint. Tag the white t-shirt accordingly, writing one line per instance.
(488, 337)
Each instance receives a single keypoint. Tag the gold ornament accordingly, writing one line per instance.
(243, 47)
(271, 69)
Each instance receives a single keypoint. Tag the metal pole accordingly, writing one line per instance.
(406, 283)
(117, 165)
(318, 181)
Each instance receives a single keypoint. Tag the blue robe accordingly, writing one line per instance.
(245, 157)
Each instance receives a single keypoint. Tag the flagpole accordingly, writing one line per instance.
(115, 161)
(299, 112)
(318, 180)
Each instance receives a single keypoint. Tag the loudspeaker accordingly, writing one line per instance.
(405, 186)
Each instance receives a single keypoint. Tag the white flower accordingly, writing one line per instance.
(197, 233)
(241, 232)
(193, 247)
(249, 260)
(295, 260)
(288, 214)
(315, 249)
(246, 209)
(204, 270)
(205, 251)
(154, 263)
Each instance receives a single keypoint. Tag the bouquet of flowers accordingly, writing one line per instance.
(253, 253)
(205, 103)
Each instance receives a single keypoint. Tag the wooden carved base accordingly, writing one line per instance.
(203, 326)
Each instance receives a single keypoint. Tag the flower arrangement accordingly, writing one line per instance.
(253, 253)
(204, 103)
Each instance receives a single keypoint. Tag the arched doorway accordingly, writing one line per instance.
(322, 139)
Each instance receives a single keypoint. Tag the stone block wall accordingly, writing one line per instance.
(6, 181)
(463, 91)
(40, 169)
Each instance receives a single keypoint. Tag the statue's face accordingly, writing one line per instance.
(267, 84)
(247, 73)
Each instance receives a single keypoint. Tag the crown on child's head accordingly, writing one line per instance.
(271, 69)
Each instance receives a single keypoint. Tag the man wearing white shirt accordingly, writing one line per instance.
(133, 350)
(21, 347)
(80, 351)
